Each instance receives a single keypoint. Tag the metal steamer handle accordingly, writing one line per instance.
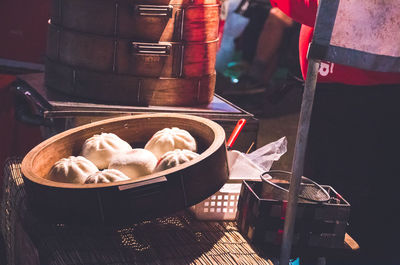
(310, 181)
(155, 49)
(154, 10)
(148, 48)
(144, 188)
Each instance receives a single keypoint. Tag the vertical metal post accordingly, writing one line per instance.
(298, 159)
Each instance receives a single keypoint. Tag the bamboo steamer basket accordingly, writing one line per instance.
(147, 21)
(154, 52)
(131, 200)
(127, 89)
(134, 58)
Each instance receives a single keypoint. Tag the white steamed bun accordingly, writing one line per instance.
(134, 163)
(101, 147)
(74, 169)
(169, 139)
(174, 158)
(106, 176)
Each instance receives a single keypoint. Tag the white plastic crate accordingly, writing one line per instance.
(220, 206)
(223, 204)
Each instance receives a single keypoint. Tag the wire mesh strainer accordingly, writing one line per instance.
(276, 187)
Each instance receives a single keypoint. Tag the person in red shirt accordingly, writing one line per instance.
(353, 143)
(304, 12)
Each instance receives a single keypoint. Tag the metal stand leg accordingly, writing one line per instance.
(298, 159)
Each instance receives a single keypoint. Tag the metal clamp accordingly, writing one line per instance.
(30, 106)
(154, 10)
(144, 48)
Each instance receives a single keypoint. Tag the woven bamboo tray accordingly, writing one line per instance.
(173, 239)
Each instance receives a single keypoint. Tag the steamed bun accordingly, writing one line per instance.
(134, 163)
(169, 139)
(101, 147)
(174, 158)
(106, 176)
(74, 169)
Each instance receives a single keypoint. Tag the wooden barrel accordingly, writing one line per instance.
(154, 45)
(131, 200)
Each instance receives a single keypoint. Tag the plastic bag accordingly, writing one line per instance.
(252, 165)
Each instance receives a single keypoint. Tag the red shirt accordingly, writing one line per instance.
(304, 12)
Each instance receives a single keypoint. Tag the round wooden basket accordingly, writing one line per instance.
(134, 52)
(132, 200)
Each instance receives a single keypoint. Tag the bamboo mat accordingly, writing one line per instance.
(175, 239)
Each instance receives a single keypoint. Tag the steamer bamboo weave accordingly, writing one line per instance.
(174, 239)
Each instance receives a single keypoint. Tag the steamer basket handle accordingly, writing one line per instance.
(154, 10)
(154, 49)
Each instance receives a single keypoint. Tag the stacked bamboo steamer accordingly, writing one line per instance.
(140, 52)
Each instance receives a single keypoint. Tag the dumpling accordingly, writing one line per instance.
(174, 158)
(169, 139)
(74, 169)
(134, 163)
(106, 176)
(101, 147)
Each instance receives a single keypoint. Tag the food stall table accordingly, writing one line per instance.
(174, 239)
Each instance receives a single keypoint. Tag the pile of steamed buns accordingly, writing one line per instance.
(107, 158)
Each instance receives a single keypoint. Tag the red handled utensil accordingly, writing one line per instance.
(235, 133)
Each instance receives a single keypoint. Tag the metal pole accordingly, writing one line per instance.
(298, 159)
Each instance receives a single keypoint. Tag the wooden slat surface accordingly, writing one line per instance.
(206, 242)
(173, 239)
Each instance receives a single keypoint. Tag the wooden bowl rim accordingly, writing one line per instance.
(26, 166)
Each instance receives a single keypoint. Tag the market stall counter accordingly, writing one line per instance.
(174, 239)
